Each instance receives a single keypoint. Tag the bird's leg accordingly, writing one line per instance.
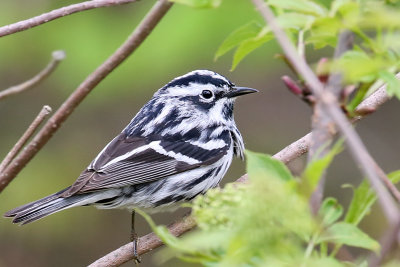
(134, 240)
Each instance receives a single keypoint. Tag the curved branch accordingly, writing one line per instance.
(286, 155)
(53, 124)
(57, 57)
(28, 133)
(58, 13)
(323, 126)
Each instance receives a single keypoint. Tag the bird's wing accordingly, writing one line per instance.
(129, 161)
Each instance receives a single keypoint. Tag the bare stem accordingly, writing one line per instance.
(57, 57)
(323, 126)
(146, 244)
(286, 155)
(387, 241)
(53, 124)
(331, 107)
(58, 13)
(28, 133)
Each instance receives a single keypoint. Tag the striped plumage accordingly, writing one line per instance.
(179, 145)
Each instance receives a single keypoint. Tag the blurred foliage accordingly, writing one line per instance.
(90, 37)
(374, 58)
(316, 167)
(266, 222)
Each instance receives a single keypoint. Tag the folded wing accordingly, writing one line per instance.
(130, 161)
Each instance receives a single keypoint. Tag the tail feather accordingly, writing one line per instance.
(43, 207)
(31, 205)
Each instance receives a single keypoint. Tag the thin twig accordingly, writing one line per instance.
(387, 241)
(286, 155)
(323, 126)
(57, 57)
(146, 244)
(331, 107)
(294, 150)
(53, 124)
(58, 13)
(28, 133)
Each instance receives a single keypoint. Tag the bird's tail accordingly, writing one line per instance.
(43, 207)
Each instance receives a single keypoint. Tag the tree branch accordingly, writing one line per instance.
(58, 13)
(323, 125)
(57, 57)
(286, 155)
(331, 107)
(53, 124)
(28, 133)
(146, 244)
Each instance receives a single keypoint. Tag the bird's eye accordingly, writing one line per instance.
(207, 94)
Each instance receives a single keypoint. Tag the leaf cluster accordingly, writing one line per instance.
(374, 57)
(267, 222)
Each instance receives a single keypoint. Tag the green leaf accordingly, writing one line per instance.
(324, 32)
(199, 3)
(378, 15)
(248, 31)
(322, 41)
(330, 211)
(339, 5)
(302, 6)
(295, 20)
(247, 47)
(392, 83)
(173, 242)
(348, 234)
(349, 14)
(358, 66)
(316, 167)
(394, 177)
(258, 163)
(363, 198)
(161, 231)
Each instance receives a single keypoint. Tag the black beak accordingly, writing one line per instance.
(237, 91)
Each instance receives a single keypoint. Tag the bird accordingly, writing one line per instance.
(179, 145)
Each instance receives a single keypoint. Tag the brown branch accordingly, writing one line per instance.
(286, 155)
(53, 124)
(331, 107)
(294, 150)
(57, 57)
(28, 133)
(58, 13)
(323, 126)
(146, 244)
(387, 242)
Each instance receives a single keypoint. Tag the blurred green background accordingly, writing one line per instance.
(186, 39)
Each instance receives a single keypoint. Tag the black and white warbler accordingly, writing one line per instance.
(178, 146)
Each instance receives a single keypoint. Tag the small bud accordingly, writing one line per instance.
(322, 70)
(291, 85)
(365, 111)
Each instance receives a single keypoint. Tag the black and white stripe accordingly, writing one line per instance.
(179, 145)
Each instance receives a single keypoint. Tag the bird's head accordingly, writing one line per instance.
(205, 91)
(197, 100)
